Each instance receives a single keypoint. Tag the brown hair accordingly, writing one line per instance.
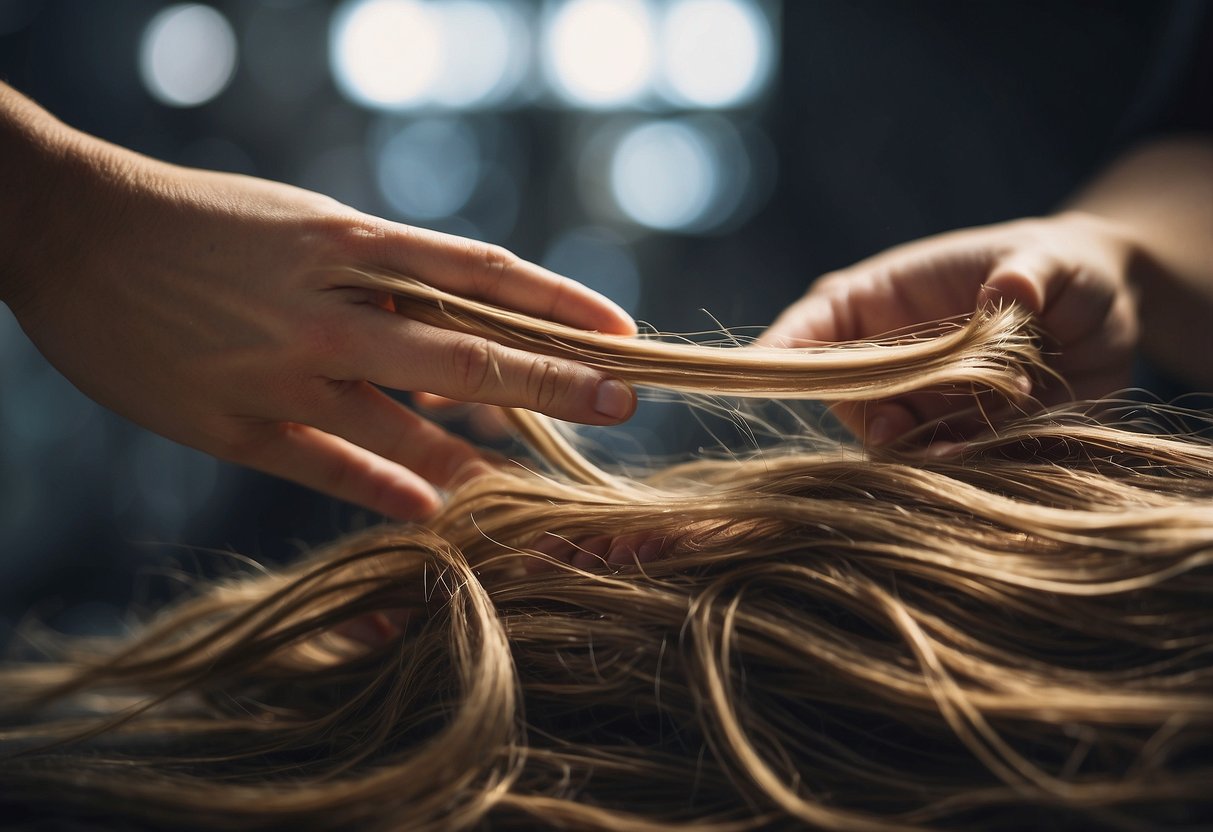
(1019, 634)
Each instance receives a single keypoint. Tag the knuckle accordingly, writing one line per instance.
(249, 443)
(545, 384)
(474, 361)
(830, 282)
(1034, 228)
(348, 238)
(498, 259)
(325, 340)
(495, 263)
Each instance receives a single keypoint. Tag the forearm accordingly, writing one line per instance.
(55, 185)
(1162, 196)
(32, 143)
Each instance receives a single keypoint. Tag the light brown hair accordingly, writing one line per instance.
(1016, 635)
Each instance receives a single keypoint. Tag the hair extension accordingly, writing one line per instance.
(1015, 636)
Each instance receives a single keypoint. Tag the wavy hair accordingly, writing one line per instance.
(835, 638)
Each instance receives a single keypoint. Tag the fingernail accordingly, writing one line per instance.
(880, 430)
(614, 399)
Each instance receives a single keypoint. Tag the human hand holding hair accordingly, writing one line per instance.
(220, 311)
(1128, 266)
(1071, 271)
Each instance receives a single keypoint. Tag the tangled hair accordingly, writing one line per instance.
(1020, 634)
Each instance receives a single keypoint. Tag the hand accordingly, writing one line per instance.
(1071, 270)
(218, 311)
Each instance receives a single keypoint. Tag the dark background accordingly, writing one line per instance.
(882, 121)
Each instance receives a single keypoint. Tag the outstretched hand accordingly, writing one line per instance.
(1071, 270)
(219, 311)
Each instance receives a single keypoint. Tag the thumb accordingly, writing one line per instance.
(1021, 277)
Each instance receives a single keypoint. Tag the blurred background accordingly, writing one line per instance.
(699, 161)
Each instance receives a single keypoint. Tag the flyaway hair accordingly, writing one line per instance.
(1017, 636)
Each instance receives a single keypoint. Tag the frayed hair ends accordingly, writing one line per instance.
(1014, 638)
(992, 351)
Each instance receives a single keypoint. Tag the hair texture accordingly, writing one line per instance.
(1019, 634)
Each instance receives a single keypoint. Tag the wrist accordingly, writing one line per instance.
(49, 204)
(33, 148)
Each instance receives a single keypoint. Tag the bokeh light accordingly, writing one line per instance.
(386, 53)
(485, 48)
(187, 55)
(663, 175)
(600, 53)
(430, 168)
(693, 174)
(403, 54)
(715, 53)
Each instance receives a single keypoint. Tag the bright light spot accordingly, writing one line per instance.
(386, 53)
(599, 259)
(429, 169)
(400, 54)
(601, 52)
(484, 52)
(664, 175)
(716, 52)
(188, 55)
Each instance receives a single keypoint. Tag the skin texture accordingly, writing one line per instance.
(1127, 267)
(219, 311)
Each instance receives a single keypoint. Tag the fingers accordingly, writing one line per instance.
(370, 419)
(592, 553)
(331, 465)
(596, 552)
(361, 446)
(495, 275)
(908, 285)
(377, 628)
(429, 401)
(820, 316)
(397, 352)
(878, 422)
(1070, 279)
(1024, 277)
(954, 414)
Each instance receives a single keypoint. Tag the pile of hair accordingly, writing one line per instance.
(1018, 635)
